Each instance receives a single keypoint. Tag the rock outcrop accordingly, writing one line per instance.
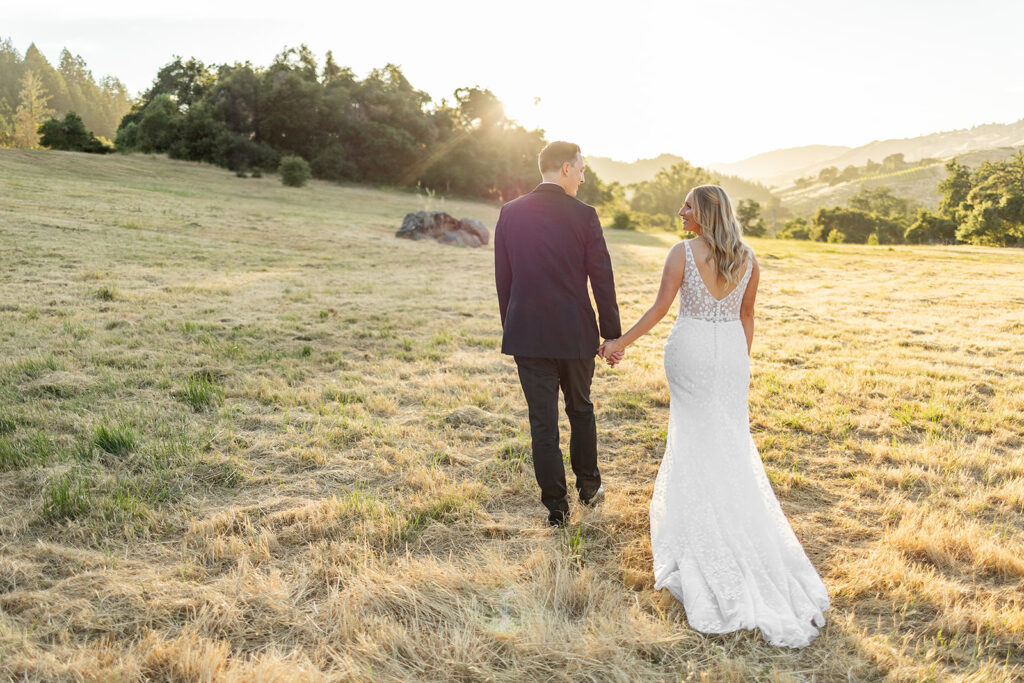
(440, 226)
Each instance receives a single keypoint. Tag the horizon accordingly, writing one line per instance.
(862, 90)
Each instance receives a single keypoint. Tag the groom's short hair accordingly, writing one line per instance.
(555, 154)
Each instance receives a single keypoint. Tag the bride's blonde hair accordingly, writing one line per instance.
(720, 229)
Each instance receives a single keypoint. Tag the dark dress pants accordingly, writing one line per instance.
(541, 379)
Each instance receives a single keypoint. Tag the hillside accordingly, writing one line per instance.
(781, 167)
(769, 166)
(248, 434)
(919, 183)
(627, 173)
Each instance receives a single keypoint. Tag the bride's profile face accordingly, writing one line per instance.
(690, 223)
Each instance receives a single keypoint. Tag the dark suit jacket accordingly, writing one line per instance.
(546, 245)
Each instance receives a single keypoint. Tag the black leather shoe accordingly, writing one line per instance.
(594, 498)
(558, 518)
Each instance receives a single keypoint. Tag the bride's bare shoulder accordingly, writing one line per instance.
(678, 249)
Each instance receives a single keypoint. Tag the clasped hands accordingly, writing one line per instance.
(612, 351)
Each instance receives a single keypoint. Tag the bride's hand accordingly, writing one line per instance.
(612, 351)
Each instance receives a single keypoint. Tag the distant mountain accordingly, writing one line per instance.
(627, 173)
(768, 167)
(782, 167)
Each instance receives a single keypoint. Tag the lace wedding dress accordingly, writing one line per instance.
(721, 542)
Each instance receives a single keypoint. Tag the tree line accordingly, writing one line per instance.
(983, 206)
(378, 129)
(656, 202)
(324, 121)
(32, 92)
(831, 175)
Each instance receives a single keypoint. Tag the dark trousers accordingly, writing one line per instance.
(540, 379)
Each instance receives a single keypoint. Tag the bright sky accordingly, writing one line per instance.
(712, 81)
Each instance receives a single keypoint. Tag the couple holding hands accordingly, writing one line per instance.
(720, 541)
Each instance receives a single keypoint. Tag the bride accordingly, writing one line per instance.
(721, 543)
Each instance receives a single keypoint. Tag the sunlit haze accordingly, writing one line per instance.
(710, 81)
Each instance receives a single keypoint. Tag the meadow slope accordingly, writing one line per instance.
(247, 433)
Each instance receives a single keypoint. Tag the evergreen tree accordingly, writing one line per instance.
(33, 110)
(6, 124)
(11, 71)
(51, 79)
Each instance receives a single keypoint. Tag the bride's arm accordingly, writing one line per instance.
(747, 305)
(671, 281)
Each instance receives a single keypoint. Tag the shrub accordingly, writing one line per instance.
(70, 135)
(294, 171)
(332, 163)
(929, 229)
(638, 220)
(842, 224)
(795, 229)
(623, 221)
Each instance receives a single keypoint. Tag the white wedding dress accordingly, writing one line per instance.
(720, 540)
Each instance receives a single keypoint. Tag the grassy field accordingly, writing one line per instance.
(247, 433)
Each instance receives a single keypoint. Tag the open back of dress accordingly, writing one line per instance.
(720, 540)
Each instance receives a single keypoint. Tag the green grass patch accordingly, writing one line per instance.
(30, 368)
(629, 405)
(19, 453)
(124, 503)
(106, 293)
(13, 455)
(341, 396)
(116, 440)
(7, 424)
(446, 509)
(65, 496)
(514, 451)
(575, 545)
(77, 332)
(201, 392)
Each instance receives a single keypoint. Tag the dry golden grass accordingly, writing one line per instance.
(245, 433)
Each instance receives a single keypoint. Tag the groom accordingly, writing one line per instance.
(546, 245)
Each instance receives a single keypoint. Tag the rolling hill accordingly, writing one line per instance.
(919, 183)
(627, 173)
(782, 166)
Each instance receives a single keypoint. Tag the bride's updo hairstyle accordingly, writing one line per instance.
(720, 229)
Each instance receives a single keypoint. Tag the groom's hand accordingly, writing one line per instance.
(610, 353)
